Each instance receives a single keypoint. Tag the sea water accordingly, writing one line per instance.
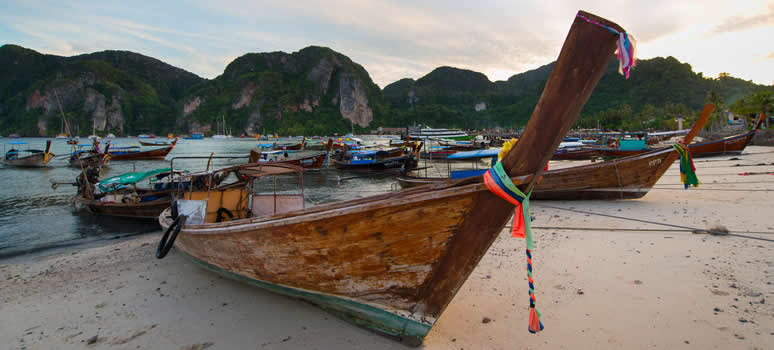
(33, 216)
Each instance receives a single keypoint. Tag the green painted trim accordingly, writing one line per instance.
(363, 315)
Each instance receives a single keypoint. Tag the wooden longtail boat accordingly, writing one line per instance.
(154, 143)
(158, 153)
(575, 154)
(29, 158)
(127, 201)
(380, 160)
(288, 147)
(313, 161)
(392, 262)
(94, 157)
(622, 178)
(731, 145)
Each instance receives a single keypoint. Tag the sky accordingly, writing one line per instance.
(400, 38)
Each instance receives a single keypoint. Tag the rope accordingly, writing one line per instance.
(499, 183)
(659, 223)
(566, 228)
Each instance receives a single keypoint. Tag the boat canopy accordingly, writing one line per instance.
(483, 153)
(18, 143)
(116, 182)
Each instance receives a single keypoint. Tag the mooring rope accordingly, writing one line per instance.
(658, 223)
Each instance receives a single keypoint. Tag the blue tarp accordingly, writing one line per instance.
(18, 143)
(461, 174)
(484, 153)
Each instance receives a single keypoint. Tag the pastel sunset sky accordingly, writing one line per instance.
(396, 39)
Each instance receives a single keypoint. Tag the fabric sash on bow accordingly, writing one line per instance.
(687, 169)
(499, 183)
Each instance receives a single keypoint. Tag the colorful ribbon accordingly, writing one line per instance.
(627, 47)
(499, 183)
(687, 170)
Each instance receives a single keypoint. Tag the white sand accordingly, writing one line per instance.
(640, 289)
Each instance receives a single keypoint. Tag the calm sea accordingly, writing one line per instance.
(33, 216)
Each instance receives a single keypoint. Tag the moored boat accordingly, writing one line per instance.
(27, 158)
(621, 178)
(134, 153)
(393, 262)
(119, 195)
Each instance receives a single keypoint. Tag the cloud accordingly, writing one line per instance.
(742, 23)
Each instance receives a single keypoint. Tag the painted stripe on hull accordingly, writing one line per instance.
(364, 315)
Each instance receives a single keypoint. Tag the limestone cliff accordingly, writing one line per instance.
(314, 90)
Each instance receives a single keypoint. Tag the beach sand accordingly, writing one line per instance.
(595, 289)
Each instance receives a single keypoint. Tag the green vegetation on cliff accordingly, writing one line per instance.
(118, 91)
(659, 90)
(315, 91)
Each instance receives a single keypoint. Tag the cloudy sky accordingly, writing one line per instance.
(398, 38)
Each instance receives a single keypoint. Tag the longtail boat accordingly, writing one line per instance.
(622, 178)
(133, 153)
(27, 158)
(119, 195)
(289, 147)
(93, 157)
(393, 262)
(379, 160)
(731, 145)
(154, 143)
(312, 161)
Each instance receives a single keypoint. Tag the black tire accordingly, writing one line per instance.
(164, 245)
(222, 210)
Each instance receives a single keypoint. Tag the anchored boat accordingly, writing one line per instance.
(27, 158)
(622, 178)
(392, 262)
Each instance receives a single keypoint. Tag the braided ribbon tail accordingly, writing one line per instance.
(687, 169)
(499, 183)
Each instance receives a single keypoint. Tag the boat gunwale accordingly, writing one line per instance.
(335, 208)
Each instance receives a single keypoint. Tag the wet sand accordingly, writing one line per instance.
(595, 289)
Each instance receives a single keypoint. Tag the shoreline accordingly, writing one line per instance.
(595, 289)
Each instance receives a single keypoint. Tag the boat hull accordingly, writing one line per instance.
(142, 155)
(380, 164)
(729, 145)
(32, 161)
(355, 261)
(146, 210)
(310, 162)
(622, 178)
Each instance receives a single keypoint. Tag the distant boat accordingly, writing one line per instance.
(110, 136)
(146, 136)
(14, 136)
(73, 141)
(31, 158)
(154, 143)
(61, 136)
(134, 153)
(195, 136)
(222, 133)
(430, 133)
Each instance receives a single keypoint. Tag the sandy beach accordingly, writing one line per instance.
(600, 289)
